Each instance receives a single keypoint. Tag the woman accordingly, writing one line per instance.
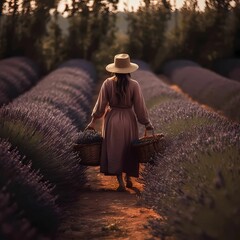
(118, 97)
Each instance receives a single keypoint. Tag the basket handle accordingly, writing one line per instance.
(90, 128)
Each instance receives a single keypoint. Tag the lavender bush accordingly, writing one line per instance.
(28, 190)
(171, 66)
(43, 124)
(17, 75)
(209, 88)
(194, 187)
(84, 65)
(151, 87)
(88, 137)
(11, 226)
(193, 184)
(46, 141)
(61, 102)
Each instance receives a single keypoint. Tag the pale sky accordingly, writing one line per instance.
(134, 4)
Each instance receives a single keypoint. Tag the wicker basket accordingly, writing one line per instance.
(89, 153)
(147, 146)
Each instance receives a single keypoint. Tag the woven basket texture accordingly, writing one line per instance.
(148, 146)
(89, 153)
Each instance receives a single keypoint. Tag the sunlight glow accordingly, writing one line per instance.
(129, 5)
(132, 5)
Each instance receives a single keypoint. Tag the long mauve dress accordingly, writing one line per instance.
(120, 126)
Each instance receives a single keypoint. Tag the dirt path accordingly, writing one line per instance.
(103, 213)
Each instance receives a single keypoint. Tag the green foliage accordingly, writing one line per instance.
(28, 190)
(179, 126)
(214, 204)
(19, 134)
(147, 29)
(39, 143)
(33, 30)
(191, 38)
(89, 26)
(53, 43)
(157, 100)
(23, 28)
(156, 32)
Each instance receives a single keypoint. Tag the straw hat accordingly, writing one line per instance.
(122, 64)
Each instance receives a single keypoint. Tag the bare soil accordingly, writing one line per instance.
(103, 213)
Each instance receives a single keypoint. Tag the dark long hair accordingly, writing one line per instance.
(122, 84)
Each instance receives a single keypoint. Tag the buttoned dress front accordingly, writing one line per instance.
(120, 126)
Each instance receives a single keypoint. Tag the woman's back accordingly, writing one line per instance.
(127, 99)
(121, 103)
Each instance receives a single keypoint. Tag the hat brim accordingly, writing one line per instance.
(112, 68)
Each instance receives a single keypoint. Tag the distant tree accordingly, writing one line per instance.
(91, 23)
(9, 27)
(236, 43)
(24, 27)
(53, 43)
(183, 38)
(2, 27)
(218, 30)
(202, 36)
(190, 29)
(147, 28)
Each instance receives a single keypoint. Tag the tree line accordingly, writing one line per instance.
(157, 32)
(201, 35)
(31, 28)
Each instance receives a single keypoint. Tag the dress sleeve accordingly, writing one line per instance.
(101, 103)
(140, 106)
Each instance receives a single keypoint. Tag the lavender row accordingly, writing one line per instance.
(196, 179)
(208, 88)
(17, 75)
(229, 68)
(43, 124)
(11, 226)
(26, 199)
(193, 185)
(151, 87)
(170, 67)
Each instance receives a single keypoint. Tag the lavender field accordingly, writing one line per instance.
(18, 74)
(53, 58)
(39, 171)
(192, 186)
(206, 87)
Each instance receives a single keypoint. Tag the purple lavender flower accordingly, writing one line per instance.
(33, 195)
(196, 174)
(208, 88)
(12, 225)
(17, 75)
